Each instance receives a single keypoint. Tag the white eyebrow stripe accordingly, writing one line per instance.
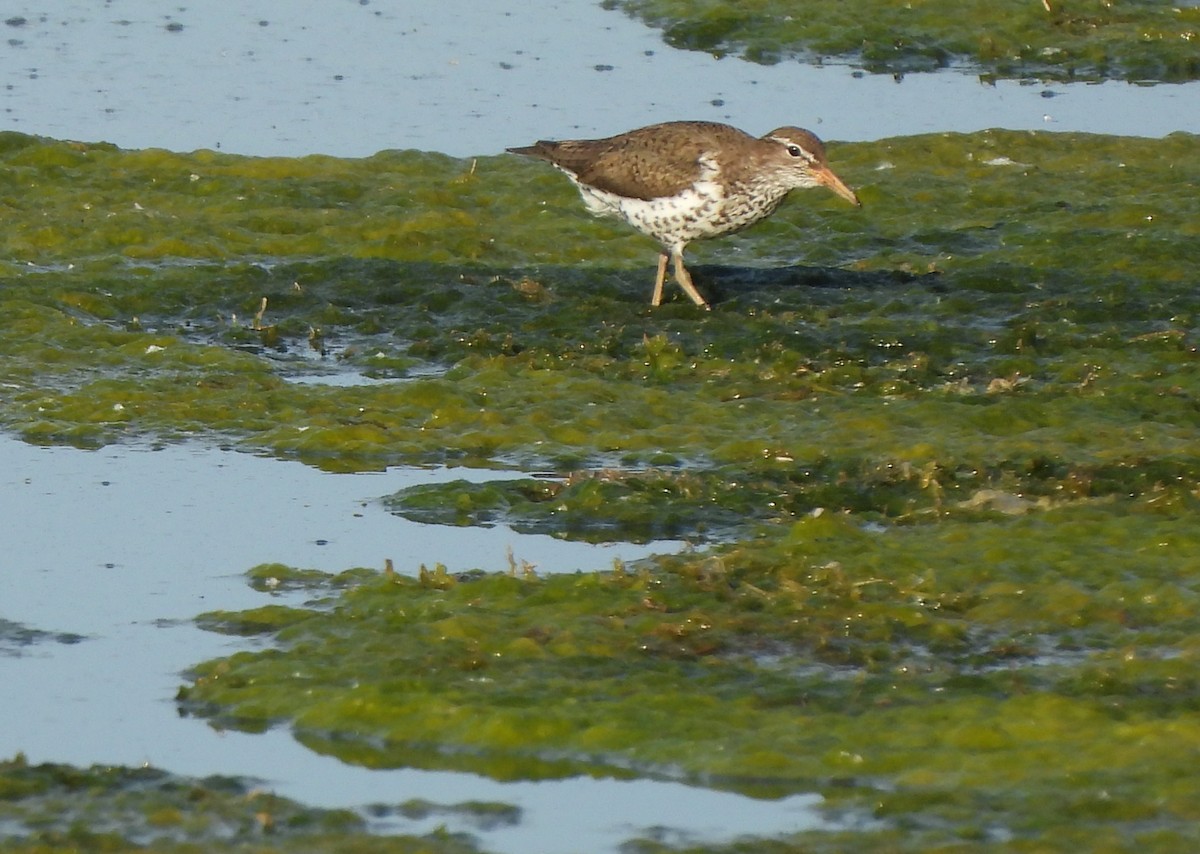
(788, 143)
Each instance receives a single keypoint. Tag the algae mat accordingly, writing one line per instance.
(53, 808)
(1138, 40)
(942, 451)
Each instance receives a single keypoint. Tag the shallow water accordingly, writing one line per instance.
(124, 545)
(350, 79)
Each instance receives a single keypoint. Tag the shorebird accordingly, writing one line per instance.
(682, 181)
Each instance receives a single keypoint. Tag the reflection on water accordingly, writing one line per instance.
(110, 553)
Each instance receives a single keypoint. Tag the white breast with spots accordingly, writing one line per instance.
(703, 210)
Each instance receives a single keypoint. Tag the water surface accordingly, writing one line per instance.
(112, 552)
(469, 77)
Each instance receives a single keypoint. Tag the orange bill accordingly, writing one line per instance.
(826, 178)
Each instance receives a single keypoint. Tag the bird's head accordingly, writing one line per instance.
(799, 157)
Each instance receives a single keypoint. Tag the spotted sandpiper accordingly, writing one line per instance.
(684, 181)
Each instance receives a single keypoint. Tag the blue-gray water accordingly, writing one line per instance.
(468, 77)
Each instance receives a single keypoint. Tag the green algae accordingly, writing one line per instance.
(1147, 40)
(948, 442)
(985, 837)
(596, 507)
(59, 808)
(486, 815)
(15, 637)
(1022, 264)
(1018, 665)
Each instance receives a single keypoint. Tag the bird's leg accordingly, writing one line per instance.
(685, 279)
(656, 299)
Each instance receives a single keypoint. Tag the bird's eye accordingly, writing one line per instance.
(795, 150)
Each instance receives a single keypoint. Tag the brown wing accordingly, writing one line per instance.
(648, 163)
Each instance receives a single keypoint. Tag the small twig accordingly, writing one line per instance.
(262, 309)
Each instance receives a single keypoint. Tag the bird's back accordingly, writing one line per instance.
(652, 162)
